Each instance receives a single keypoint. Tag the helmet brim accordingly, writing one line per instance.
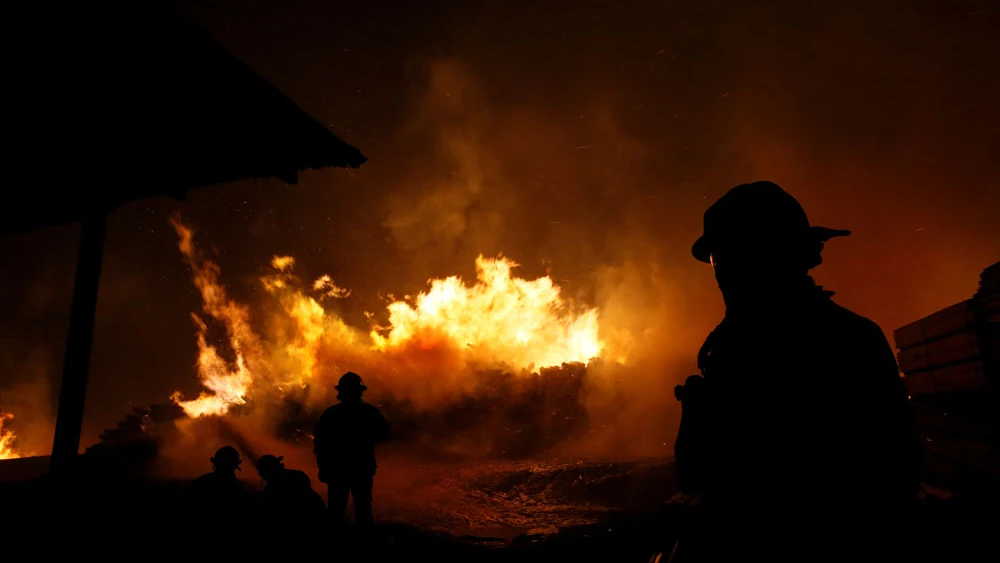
(702, 248)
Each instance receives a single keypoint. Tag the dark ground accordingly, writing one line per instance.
(117, 517)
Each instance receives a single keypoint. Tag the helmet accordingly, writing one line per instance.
(350, 381)
(761, 211)
(226, 457)
(269, 464)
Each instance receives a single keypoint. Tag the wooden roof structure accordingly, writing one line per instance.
(120, 101)
(113, 102)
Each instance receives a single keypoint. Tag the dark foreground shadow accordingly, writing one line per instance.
(118, 517)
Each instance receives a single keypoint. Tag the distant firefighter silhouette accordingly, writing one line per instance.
(290, 500)
(220, 493)
(345, 450)
(798, 432)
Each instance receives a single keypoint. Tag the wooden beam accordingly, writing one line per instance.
(76, 366)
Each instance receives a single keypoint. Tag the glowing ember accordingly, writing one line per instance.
(501, 319)
(7, 450)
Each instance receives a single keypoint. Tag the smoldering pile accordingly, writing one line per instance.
(506, 415)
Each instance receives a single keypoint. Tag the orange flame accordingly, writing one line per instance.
(7, 450)
(229, 385)
(307, 317)
(525, 324)
(499, 320)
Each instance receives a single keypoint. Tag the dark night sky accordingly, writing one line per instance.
(579, 136)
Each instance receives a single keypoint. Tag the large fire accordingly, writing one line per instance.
(7, 450)
(500, 321)
(523, 323)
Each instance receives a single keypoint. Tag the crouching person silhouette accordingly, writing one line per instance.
(289, 499)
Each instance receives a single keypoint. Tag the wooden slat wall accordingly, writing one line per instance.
(956, 348)
(961, 377)
(949, 359)
(957, 318)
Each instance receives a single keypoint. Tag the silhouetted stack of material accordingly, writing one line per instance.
(128, 449)
(950, 363)
(135, 426)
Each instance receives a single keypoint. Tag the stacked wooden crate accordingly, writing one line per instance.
(942, 352)
(949, 360)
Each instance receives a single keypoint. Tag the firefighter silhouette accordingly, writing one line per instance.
(799, 421)
(345, 441)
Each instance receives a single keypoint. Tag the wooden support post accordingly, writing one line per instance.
(76, 366)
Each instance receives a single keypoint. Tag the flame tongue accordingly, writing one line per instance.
(228, 385)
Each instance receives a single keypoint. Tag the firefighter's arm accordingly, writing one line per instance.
(320, 438)
(690, 443)
(319, 435)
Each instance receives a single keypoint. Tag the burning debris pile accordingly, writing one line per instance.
(504, 353)
(505, 415)
(508, 415)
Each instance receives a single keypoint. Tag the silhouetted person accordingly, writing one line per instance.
(798, 437)
(221, 497)
(345, 449)
(290, 500)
